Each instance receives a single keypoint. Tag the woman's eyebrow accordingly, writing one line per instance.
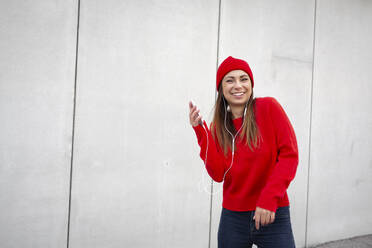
(240, 76)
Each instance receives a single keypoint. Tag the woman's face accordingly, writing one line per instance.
(236, 87)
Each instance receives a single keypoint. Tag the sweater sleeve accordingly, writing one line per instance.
(215, 163)
(287, 158)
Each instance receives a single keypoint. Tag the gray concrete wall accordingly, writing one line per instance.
(135, 170)
(340, 156)
(37, 47)
(137, 179)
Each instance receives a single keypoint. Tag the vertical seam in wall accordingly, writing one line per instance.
(215, 97)
(218, 42)
(73, 121)
(311, 113)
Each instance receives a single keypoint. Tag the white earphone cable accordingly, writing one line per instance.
(233, 148)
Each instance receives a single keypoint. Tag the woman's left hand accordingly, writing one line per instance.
(263, 216)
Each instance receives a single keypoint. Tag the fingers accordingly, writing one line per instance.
(192, 111)
(195, 115)
(198, 121)
(191, 105)
(263, 217)
(272, 217)
(195, 118)
(267, 218)
(257, 218)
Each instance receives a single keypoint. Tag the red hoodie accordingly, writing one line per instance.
(259, 178)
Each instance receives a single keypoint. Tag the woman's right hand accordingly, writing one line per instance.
(195, 118)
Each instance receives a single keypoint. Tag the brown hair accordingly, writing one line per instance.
(249, 132)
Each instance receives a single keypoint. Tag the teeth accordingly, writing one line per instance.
(238, 94)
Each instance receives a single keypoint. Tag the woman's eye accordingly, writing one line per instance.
(245, 79)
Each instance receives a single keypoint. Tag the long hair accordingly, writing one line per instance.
(249, 133)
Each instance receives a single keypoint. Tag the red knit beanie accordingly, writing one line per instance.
(230, 64)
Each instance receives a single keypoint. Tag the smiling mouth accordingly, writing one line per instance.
(238, 94)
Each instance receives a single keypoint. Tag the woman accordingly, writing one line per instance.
(250, 146)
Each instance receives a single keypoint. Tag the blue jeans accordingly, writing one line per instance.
(237, 230)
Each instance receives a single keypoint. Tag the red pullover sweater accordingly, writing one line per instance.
(259, 178)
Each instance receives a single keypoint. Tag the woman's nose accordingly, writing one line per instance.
(238, 84)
